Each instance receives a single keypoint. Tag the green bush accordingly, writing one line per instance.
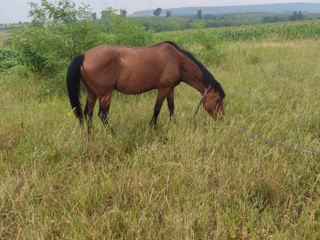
(44, 49)
(124, 31)
(211, 51)
(8, 59)
(54, 37)
(60, 32)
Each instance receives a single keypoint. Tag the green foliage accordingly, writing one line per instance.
(296, 16)
(8, 59)
(222, 20)
(123, 12)
(47, 45)
(211, 51)
(164, 24)
(46, 50)
(63, 11)
(125, 31)
(285, 31)
(61, 31)
(105, 14)
(33, 45)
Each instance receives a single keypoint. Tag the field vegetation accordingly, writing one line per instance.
(191, 178)
(182, 22)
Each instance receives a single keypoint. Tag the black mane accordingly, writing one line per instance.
(207, 78)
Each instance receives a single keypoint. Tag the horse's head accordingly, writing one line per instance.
(213, 103)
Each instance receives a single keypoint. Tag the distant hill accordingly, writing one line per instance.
(268, 8)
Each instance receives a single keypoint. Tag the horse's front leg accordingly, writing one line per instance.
(162, 94)
(170, 101)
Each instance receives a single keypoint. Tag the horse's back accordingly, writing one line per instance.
(132, 70)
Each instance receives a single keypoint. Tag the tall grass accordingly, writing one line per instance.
(188, 179)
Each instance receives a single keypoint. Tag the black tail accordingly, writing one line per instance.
(73, 85)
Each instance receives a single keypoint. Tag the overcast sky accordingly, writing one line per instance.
(17, 10)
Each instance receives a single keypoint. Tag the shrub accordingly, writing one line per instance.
(60, 32)
(8, 59)
(124, 31)
(54, 37)
(211, 51)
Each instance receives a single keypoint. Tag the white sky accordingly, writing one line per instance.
(12, 11)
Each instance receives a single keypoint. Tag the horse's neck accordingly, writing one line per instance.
(192, 75)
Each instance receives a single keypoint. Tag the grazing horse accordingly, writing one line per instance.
(135, 70)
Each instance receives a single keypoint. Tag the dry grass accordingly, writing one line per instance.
(186, 180)
(4, 34)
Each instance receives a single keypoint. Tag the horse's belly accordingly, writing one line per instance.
(135, 87)
(136, 82)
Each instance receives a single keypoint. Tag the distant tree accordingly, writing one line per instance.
(104, 14)
(94, 16)
(107, 13)
(123, 12)
(271, 19)
(157, 12)
(168, 13)
(296, 16)
(199, 14)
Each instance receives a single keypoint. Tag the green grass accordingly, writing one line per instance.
(3, 37)
(185, 180)
(281, 31)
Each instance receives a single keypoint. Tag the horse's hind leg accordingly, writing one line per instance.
(88, 110)
(170, 101)
(104, 105)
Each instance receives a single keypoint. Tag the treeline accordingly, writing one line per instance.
(182, 22)
(7, 27)
(168, 22)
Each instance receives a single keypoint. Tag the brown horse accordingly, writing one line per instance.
(135, 70)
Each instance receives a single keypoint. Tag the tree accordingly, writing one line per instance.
(157, 12)
(58, 32)
(63, 11)
(107, 13)
(296, 16)
(168, 13)
(123, 12)
(271, 19)
(94, 16)
(199, 13)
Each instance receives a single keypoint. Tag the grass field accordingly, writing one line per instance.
(3, 36)
(188, 179)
